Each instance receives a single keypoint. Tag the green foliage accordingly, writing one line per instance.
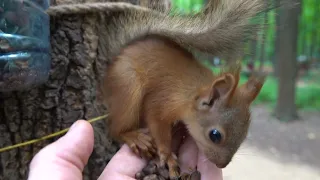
(309, 30)
(270, 34)
(187, 6)
(307, 95)
(309, 26)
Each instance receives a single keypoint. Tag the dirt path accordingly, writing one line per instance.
(278, 151)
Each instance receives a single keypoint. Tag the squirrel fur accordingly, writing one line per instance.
(219, 29)
(155, 82)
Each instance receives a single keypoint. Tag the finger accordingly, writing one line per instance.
(188, 156)
(208, 170)
(65, 158)
(124, 165)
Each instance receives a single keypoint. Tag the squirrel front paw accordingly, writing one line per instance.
(140, 143)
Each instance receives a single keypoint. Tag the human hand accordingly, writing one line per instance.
(65, 159)
(190, 158)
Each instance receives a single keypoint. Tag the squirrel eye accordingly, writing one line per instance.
(215, 136)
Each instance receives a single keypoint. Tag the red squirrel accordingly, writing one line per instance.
(155, 82)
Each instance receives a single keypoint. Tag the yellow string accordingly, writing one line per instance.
(46, 137)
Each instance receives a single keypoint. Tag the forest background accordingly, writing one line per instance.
(288, 48)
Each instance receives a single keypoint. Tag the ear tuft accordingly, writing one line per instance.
(253, 86)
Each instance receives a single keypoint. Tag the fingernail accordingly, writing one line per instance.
(73, 126)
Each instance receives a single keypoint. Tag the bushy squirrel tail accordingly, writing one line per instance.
(219, 29)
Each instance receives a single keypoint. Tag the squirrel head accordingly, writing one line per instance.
(221, 116)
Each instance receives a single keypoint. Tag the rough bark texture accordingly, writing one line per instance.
(70, 94)
(286, 108)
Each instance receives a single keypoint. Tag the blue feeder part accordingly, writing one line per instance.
(24, 44)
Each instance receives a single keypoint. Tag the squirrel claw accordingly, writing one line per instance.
(171, 162)
(135, 149)
(174, 173)
(193, 176)
(140, 143)
(185, 176)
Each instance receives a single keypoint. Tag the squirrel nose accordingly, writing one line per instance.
(222, 165)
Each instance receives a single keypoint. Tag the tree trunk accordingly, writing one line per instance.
(286, 108)
(314, 32)
(70, 94)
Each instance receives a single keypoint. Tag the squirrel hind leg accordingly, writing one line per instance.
(161, 132)
(124, 127)
(155, 169)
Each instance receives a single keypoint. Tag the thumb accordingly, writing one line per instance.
(123, 165)
(207, 169)
(64, 159)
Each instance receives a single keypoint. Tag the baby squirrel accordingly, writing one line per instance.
(154, 81)
(157, 82)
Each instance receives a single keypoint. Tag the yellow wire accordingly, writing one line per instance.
(46, 137)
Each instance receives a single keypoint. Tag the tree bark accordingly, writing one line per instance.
(286, 108)
(70, 94)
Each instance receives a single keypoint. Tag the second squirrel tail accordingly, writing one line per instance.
(219, 29)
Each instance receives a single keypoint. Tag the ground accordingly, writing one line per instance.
(278, 151)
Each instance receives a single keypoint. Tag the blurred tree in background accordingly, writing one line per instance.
(287, 36)
(288, 48)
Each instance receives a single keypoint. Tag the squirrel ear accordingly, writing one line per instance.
(222, 88)
(252, 87)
